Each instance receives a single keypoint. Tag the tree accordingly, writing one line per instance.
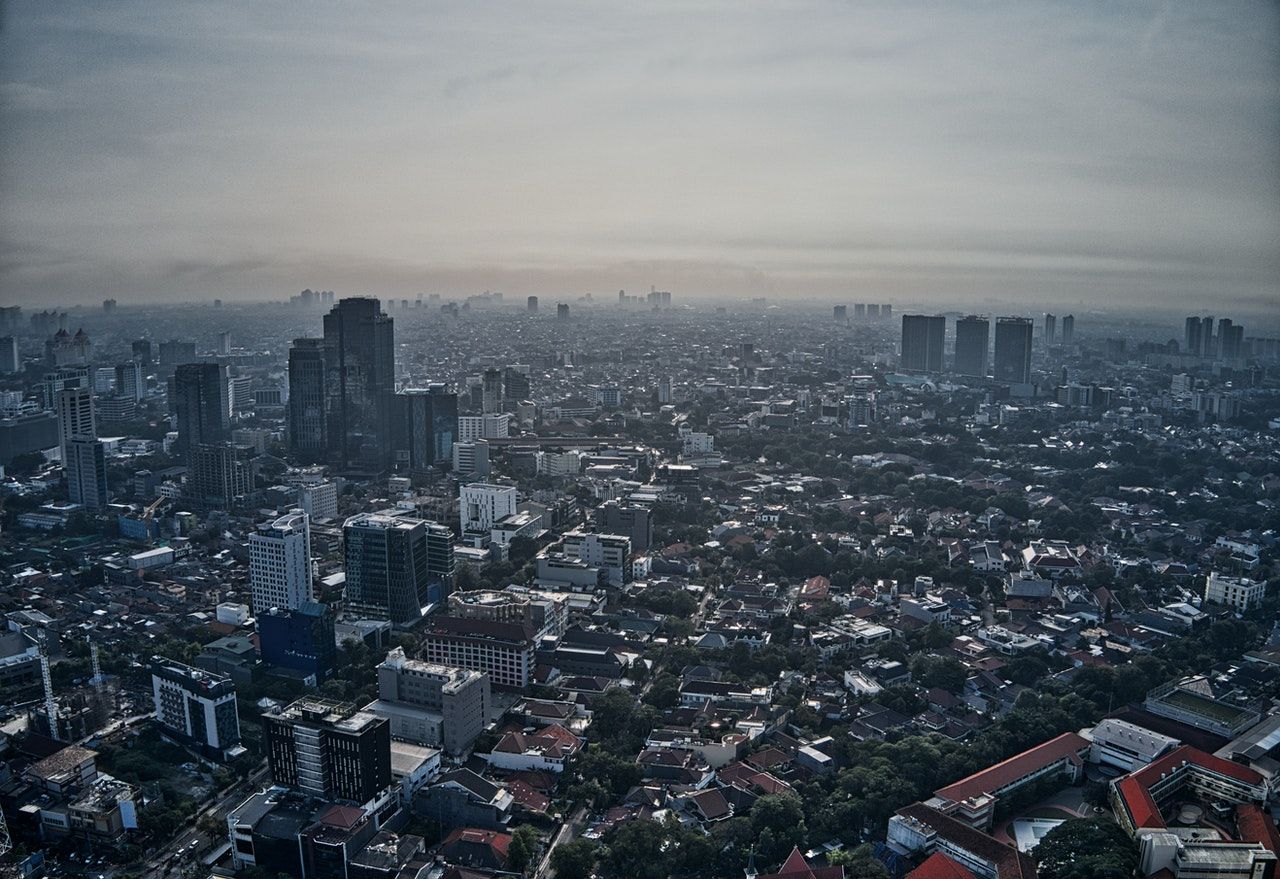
(858, 863)
(574, 860)
(1086, 848)
(523, 851)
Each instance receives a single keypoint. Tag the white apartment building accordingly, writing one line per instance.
(280, 563)
(481, 504)
(1238, 592)
(75, 417)
(319, 501)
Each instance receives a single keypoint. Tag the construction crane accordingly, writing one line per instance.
(50, 706)
(97, 666)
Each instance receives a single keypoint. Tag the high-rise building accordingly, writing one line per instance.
(141, 349)
(1231, 342)
(219, 474)
(75, 417)
(1050, 329)
(301, 639)
(202, 403)
(176, 352)
(441, 706)
(471, 459)
(280, 563)
(1012, 361)
(562, 310)
(397, 567)
(86, 467)
(224, 343)
(886, 311)
(632, 520)
(10, 359)
(922, 337)
(308, 422)
(197, 707)
(1068, 329)
(319, 500)
(840, 313)
(505, 651)
(482, 504)
(426, 424)
(531, 304)
(491, 385)
(1193, 340)
(329, 750)
(1206, 336)
(973, 344)
(359, 342)
(515, 384)
(486, 427)
(130, 381)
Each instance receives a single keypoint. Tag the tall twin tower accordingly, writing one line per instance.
(342, 388)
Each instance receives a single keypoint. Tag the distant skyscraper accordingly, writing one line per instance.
(1050, 329)
(491, 384)
(562, 311)
(886, 311)
(1206, 336)
(515, 385)
(1225, 332)
(396, 567)
(531, 304)
(859, 311)
(75, 417)
(10, 361)
(130, 382)
(1012, 362)
(873, 311)
(142, 351)
(1193, 339)
(973, 344)
(280, 563)
(1068, 329)
(202, 404)
(308, 423)
(922, 337)
(426, 425)
(1231, 344)
(220, 474)
(360, 359)
(86, 469)
(840, 313)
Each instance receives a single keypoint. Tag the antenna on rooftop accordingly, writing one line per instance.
(50, 707)
(97, 678)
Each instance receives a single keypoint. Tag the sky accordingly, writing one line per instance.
(1071, 152)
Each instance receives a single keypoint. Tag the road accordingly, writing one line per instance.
(564, 833)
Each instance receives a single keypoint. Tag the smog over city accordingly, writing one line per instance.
(672, 440)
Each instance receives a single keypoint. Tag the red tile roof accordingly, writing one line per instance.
(939, 866)
(1151, 773)
(1255, 825)
(796, 867)
(1018, 766)
(1142, 809)
(1009, 862)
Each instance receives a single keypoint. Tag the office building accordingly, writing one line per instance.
(280, 563)
(515, 384)
(562, 311)
(1012, 361)
(1068, 329)
(131, 383)
(175, 352)
(840, 313)
(611, 553)
(632, 520)
(75, 418)
(141, 351)
(308, 423)
(319, 500)
(301, 639)
(491, 391)
(503, 651)
(441, 706)
(202, 405)
(476, 427)
(471, 459)
(922, 337)
(10, 359)
(426, 426)
(27, 432)
(482, 504)
(359, 343)
(1050, 329)
(1230, 340)
(397, 567)
(973, 344)
(531, 305)
(197, 707)
(220, 474)
(86, 468)
(329, 750)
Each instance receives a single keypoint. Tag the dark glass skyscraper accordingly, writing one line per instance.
(359, 343)
(973, 342)
(308, 423)
(396, 566)
(1012, 361)
(426, 421)
(922, 336)
(201, 405)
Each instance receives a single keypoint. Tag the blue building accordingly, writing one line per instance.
(301, 640)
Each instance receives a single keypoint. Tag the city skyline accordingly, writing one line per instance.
(1024, 153)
